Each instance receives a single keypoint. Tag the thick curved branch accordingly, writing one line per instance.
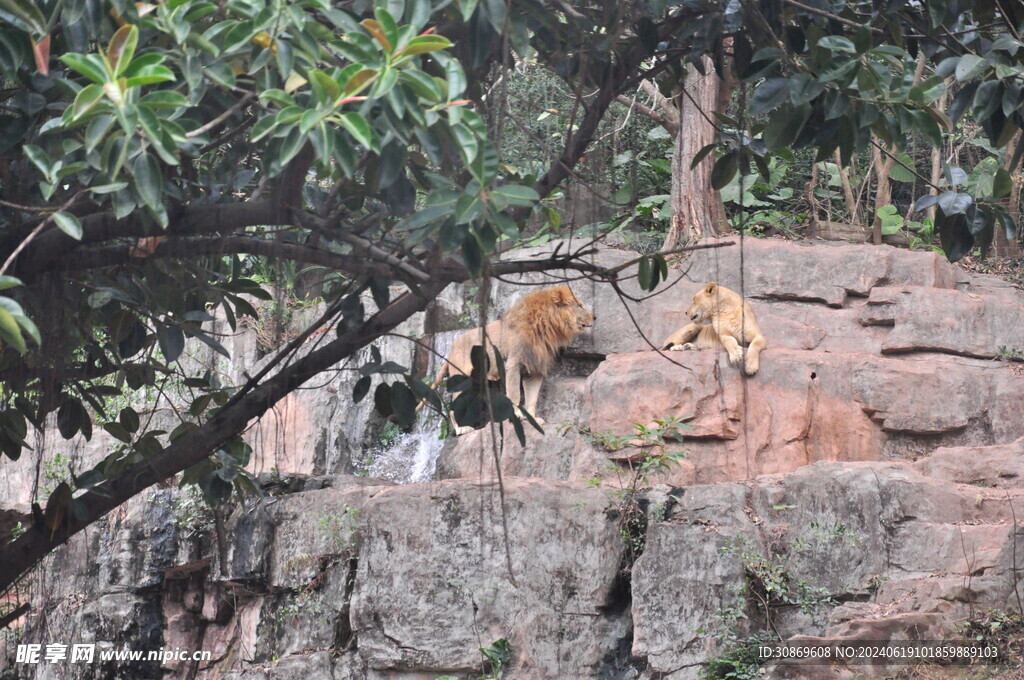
(54, 244)
(671, 126)
(621, 78)
(194, 447)
(330, 229)
(105, 256)
(457, 273)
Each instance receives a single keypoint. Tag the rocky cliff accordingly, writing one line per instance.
(866, 484)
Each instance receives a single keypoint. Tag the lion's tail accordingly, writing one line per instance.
(445, 370)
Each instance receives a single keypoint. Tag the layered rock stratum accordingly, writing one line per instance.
(874, 467)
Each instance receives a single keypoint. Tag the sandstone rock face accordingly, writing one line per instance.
(557, 611)
(866, 484)
(903, 550)
(874, 353)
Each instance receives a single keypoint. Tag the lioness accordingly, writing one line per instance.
(721, 318)
(528, 337)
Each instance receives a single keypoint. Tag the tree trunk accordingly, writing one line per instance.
(1002, 246)
(883, 190)
(883, 168)
(852, 206)
(935, 176)
(697, 209)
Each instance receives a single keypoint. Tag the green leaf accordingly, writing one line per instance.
(977, 219)
(701, 155)
(837, 68)
(153, 74)
(85, 100)
(122, 48)
(58, 507)
(25, 15)
(310, 119)
(139, 65)
(388, 25)
(423, 85)
(1009, 226)
(956, 239)
(171, 340)
(129, 419)
(403, 405)
(425, 43)
(517, 195)
(970, 66)
(485, 166)
(837, 43)
(1002, 184)
(362, 387)
(39, 158)
(209, 342)
(386, 80)
(382, 399)
(156, 136)
(117, 431)
(325, 89)
(277, 96)
(263, 127)
(149, 182)
(357, 126)
(69, 224)
(953, 203)
(899, 173)
(643, 274)
(468, 208)
(28, 326)
(290, 146)
(724, 170)
(785, 125)
(804, 88)
(90, 66)
(425, 216)
(769, 95)
(108, 188)
(9, 282)
(96, 129)
(10, 332)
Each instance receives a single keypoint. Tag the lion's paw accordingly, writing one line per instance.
(752, 367)
(680, 348)
(463, 429)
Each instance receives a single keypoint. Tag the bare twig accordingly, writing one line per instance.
(35, 232)
(830, 15)
(203, 129)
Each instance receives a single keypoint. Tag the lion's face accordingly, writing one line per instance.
(564, 297)
(704, 304)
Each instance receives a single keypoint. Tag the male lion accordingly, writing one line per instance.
(528, 337)
(721, 318)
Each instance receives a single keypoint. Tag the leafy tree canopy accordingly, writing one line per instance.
(150, 150)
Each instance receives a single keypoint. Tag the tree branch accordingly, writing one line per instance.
(620, 78)
(105, 256)
(671, 126)
(54, 244)
(23, 553)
